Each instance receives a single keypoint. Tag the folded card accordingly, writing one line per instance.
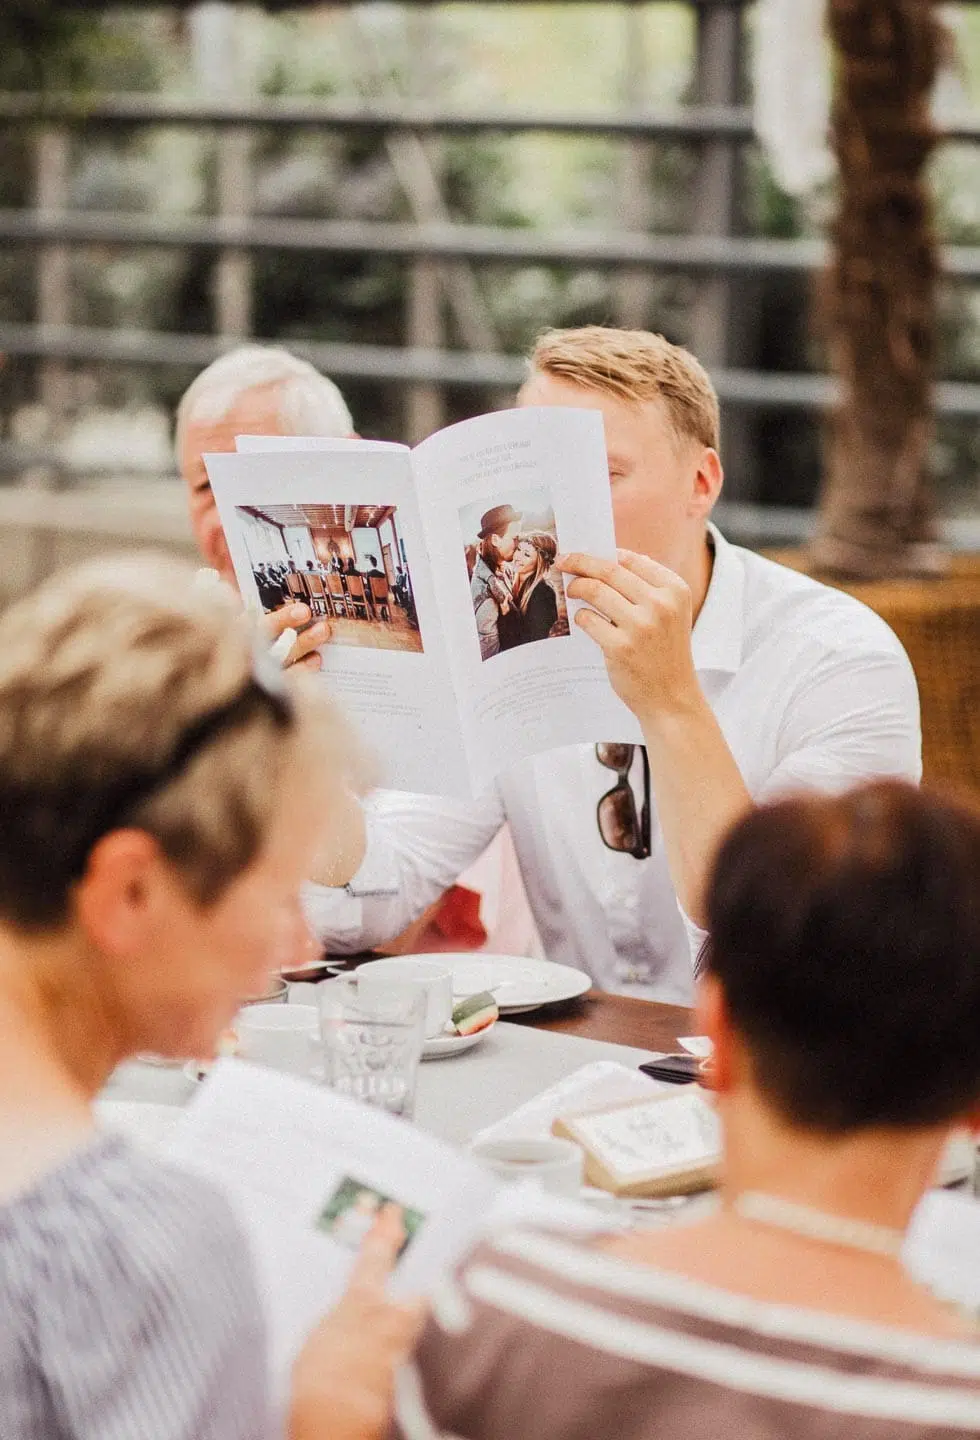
(667, 1144)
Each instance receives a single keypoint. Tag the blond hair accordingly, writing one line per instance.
(105, 671)
(634, 365)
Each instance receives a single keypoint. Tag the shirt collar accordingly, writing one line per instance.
(716, 641)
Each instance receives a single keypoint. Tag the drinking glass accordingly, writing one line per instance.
(372, 1043)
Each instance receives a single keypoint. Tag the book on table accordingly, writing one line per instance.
(454, 647)
(661, 1144)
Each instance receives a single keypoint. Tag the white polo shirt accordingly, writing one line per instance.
(812, 691)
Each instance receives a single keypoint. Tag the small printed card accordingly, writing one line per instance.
(665, 1145)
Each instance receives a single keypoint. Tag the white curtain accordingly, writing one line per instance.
(299, 543)
(263, 540)
(791, 86)
(366, 542)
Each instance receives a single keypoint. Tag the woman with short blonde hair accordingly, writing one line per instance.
(162, 795)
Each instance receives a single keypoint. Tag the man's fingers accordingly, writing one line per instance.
(287, 617)
(649, 570)
(603, 598)
(306, 645)
(601, 630)
(607, 572)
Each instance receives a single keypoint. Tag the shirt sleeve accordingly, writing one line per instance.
(148, 1318)
(417, 846)
(856, 717)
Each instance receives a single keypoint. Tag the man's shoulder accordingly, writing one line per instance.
(780, 601)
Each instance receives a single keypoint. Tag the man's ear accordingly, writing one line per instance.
(708, 481)
(117, 897)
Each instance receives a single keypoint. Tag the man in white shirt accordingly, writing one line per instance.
(747, 678)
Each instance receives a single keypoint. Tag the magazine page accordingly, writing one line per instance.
(307, 1171)
(500, 496)
(254, 444)
(342, 533)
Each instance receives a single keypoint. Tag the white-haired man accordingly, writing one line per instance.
(253, 390)
(264, 390)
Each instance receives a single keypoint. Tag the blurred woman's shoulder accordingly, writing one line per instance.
(545, 1335)
(127, 1289)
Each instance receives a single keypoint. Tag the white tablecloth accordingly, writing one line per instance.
(455, 1097)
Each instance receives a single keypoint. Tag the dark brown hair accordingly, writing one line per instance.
(846, 935)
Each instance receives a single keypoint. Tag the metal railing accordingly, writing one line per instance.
(715, 128)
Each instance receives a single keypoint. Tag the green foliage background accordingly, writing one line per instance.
(554, 57)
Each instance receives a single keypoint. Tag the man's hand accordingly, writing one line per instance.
(642, 623)
(641, 620)
(343, 1378)
(305, 646)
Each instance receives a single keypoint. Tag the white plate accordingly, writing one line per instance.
(516, 982)
(441, 1047)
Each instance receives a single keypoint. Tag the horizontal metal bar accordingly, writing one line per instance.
(694, 254)
(708, 122)
(475, 242)
(350, 362)
(743, 388)
(277, 6)
(694, 123)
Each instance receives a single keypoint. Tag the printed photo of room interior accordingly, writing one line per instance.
(347, 562)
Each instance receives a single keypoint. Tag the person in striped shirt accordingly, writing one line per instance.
(842, 995)
(162, 795)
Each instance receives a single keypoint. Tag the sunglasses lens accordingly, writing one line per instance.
(617, 819)
(614, 757)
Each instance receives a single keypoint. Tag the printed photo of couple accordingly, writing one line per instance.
(351, 1211)
(518, 596)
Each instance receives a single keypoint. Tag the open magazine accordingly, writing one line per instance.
(307, 1171)
(454, 647)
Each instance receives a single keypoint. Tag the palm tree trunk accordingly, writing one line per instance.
(876, 515)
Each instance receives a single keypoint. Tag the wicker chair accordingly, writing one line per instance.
(938, 622)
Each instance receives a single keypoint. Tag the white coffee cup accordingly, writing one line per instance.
(380, 977)
(284, 1037)
(557, 1164)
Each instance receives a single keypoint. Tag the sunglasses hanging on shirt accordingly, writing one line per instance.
(623, 828)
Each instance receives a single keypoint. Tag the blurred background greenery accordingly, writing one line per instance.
(548, 56)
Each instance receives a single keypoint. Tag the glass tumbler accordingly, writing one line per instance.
(372, 1045)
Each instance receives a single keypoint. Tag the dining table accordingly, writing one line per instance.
(615, 1019)
(456, 1098)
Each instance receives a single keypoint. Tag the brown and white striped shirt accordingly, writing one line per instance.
(545, 1337)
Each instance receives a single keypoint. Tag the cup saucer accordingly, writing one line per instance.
(442, 1047)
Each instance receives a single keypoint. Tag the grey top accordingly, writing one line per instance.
(129, 1307)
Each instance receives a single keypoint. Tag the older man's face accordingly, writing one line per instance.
(254, 413)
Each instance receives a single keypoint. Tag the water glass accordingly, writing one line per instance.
(372, 1044)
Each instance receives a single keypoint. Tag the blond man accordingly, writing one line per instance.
(253, 390)
(748, 680)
